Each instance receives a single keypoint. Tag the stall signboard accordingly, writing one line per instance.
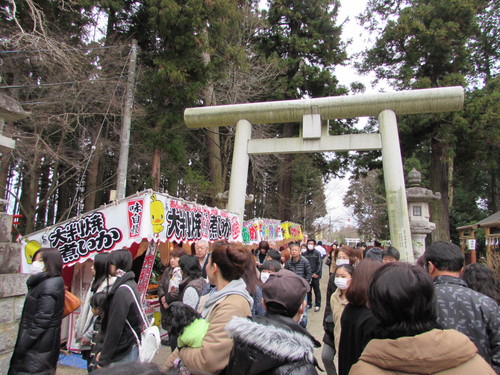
(291, 231)
(258, 229)
(147, 215)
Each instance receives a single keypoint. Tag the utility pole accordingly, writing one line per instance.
(127, 117)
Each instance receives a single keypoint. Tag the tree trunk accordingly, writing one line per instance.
(494, 202)
(41, 210)
(439, 182)
(92, 175)
(156, 169)
(51, 207)
(105, 174)
(110, 27)
(65, 198)
(29, 193)
(213, 141)
(214, 162)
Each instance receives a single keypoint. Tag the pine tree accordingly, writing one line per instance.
(305, 37)
(424, 43)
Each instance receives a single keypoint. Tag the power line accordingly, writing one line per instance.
(93, 148)
(60, 83)
(65, 50)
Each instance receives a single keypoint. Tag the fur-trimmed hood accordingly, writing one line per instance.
(271, 341)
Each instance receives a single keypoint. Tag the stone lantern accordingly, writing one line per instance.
(418, 199)
(12, 283)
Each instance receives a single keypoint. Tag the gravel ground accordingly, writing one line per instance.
(314, 325)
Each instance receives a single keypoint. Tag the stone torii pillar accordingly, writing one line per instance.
(314, 115)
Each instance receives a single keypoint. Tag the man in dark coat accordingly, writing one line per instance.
(298, 264)
(201, 249)
(316, 263)
(459, 307)
(275, 343)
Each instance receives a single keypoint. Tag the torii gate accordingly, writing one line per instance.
(314, 137)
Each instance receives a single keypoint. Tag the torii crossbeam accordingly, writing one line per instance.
(314, 137)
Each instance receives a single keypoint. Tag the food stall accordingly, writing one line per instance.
(145, 223)
(258, 229)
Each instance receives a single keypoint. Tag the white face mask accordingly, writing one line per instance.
(310, 247)
(37, 266)
(341, 283)
(264, 276)
(120, 273)
(340, 262)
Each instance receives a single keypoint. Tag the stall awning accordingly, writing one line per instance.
(147, 216)
(258, 229)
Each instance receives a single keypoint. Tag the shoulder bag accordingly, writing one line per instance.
(149, 343)
(71, 303)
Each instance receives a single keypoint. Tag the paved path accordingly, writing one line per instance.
(314, 325)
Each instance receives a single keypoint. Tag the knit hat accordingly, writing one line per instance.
(284, 292)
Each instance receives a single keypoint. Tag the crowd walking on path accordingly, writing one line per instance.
(232, 311)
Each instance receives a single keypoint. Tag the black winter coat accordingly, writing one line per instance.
(118, 337)
(328, 325)
(272, 345)
(315, 261)
(39, 337)
(300, 267)
(358, 323)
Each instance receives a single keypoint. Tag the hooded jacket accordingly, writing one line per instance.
(219, 309)
(432, 352)
(122, 307)
(85, 319)
(271, 344)
(38, 341)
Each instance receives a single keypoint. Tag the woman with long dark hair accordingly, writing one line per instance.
(121, 314)
(38, 340)
(189, 290)
(192, 283)
(254, 285)
(101, 282)
(357, 321)
(230, 298)
(165, 287)
(330, 350)
(480, 278)
(338, 301)
(407, 339)
(262, 252)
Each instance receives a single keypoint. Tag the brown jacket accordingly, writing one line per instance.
(434, 352)
(213, 356)
(337, 304)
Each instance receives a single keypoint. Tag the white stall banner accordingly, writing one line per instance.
(147, 215)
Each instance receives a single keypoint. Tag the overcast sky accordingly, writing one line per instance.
(335, 190)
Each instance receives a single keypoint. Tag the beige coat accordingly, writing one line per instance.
(337, 304)
(434, 352)
(213, 356)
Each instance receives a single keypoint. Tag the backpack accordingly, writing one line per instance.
(150, 341)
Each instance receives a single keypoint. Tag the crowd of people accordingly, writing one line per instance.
(236, 311)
